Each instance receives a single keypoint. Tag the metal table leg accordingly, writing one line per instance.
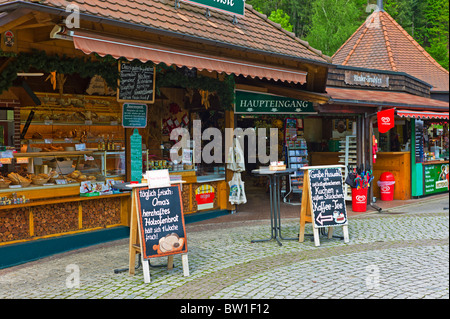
(272, 215)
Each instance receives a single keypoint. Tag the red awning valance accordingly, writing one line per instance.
(423, 114)
(102, 45)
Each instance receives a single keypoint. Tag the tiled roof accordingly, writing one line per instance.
(388, 98)
(381, 43)
(253, 31)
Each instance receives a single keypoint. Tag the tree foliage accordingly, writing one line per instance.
(327, 24)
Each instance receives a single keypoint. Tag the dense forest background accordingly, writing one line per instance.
(327, 24)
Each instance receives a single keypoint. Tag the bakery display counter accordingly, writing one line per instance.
(58, 210)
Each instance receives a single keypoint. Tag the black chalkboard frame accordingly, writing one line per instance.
(145, 253)
(135, 100)
(327, 220)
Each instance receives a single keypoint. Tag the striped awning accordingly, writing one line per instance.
(423, 114)
(104, 45)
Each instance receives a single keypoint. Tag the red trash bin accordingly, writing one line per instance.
(386, 184)
(359, 199)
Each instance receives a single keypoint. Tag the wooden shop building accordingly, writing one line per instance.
(66, 121)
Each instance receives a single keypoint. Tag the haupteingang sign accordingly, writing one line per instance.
(247, 102)
(234, 7)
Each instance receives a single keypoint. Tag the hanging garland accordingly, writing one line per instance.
(39, 60)
(107, 68)
(170, 77)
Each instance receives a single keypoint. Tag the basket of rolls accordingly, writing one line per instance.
(40, 179)
(4, 182)
(17, 179)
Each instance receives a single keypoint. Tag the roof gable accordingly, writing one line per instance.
(381, 43)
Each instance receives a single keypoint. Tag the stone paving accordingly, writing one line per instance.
(389, 256)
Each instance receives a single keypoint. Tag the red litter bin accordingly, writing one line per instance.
(359, 199)
(386, 184)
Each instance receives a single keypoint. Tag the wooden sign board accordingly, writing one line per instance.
(137, 83)
(323, 200)
(157, 227)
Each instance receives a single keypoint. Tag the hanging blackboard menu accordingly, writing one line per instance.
(136, 84)
(418, 138)
(327, 197)
(161, 221)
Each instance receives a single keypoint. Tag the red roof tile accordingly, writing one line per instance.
(388, 98)
(253, 31)
(385, 45)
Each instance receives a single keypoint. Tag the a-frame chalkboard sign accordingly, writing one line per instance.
(157, 227)
(323, 201)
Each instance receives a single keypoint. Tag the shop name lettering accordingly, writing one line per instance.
(367, 79)
(226, 2)
(273, 104)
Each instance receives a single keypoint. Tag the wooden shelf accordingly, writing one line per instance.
(52, 154)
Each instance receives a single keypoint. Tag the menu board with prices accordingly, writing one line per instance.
(137, 83)
(418, 138)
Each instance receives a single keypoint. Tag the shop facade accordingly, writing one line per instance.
(377, 68)
(75, 127)
(393, 151)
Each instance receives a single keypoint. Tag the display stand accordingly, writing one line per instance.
(136, 242)
(296, 155)
(348, 147)
(317, 207)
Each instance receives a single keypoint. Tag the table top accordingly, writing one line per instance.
(266, 171)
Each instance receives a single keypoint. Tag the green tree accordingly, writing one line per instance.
(299, 12)
(282, 18)
(436, 36)
(333, 22)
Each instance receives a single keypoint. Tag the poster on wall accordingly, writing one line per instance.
(204, 195)
(435, 178)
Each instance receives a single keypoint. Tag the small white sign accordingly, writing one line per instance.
(158, 178)
(80, 147)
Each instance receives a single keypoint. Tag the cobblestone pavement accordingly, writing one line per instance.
(389, 256)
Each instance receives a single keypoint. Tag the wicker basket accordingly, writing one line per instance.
(4, 183)
(39, 181)
(25, 184)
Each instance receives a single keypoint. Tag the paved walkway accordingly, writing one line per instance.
(403, 253)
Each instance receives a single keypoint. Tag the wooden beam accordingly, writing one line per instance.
(297, 94)
(8, 25)
(34, 25)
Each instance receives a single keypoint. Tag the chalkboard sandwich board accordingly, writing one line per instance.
(161, 221)
(327, 197)
(323, 201)
(137, 83)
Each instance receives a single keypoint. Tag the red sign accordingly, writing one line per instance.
(385, 120)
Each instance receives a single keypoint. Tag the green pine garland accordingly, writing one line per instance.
(170, 77)
(107, 68)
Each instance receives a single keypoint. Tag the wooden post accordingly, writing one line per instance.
(229, 123)
(305, 211)
(133, 245)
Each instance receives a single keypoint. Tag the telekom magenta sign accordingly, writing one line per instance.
(234, 7)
